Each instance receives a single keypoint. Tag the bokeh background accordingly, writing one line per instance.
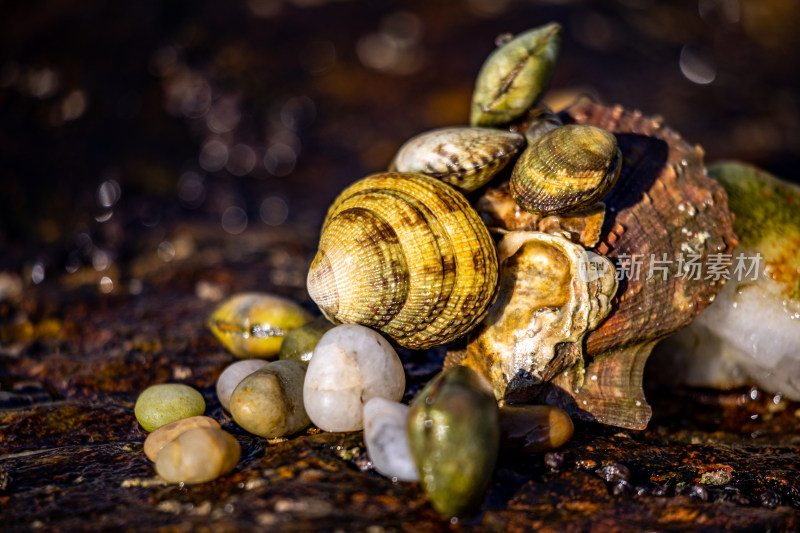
(121, 120)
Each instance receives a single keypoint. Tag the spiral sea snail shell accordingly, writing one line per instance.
(405, 254)
(566, 169)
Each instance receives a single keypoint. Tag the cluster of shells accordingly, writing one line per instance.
(524, 271)
(503, 240)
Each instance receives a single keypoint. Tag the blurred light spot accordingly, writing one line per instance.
(318, 57)
(403, 27)
(273, 211)
(106, 285)
(37, 273)
(10, 287)
(191, 189)
(728, 9)
(287, 137)
(754, 393)
(234, 220)
(487, 8)
(208, 291)
(108, 193)
(298, 112)
(163, 61)
(394, 49)
(280, 159)
(9, 74)
(594, 30)
(73, 105)
(224, 115)
(149, 216)
(196, 98)
(213, 155)
(265, 8)
(41, 83)
(135, 286)
(166, 251)
(377, 51)
(697, 66)
(83, 241)
(180, 373)
(101, 260)
(241, 160)
(105, 216)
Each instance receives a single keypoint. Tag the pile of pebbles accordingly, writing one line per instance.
(447, 439)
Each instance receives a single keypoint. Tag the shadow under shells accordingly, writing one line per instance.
(662, 213)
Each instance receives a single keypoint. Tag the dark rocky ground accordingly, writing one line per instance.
(121, 226)
(74, 361)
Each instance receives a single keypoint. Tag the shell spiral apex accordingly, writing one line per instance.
(405, 254)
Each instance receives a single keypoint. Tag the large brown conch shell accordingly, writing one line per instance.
(662, 211)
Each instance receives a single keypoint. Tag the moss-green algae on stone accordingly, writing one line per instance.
(766, 219)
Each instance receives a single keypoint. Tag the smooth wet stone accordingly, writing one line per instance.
(534, 428)
(351, 365)
(269, 402)
(197, 456)
(386, 438)
(161, 404)
(299, 343)
(233, 375)
(454, 435)
(159, 438)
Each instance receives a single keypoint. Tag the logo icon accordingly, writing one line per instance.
(592, 266)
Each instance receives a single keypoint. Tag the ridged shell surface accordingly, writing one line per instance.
(466, 158)
(405, 254)
(567, 169)
(663, 208)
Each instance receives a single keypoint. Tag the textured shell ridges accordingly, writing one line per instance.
(566, 169)
(405, 254)
(466, 158)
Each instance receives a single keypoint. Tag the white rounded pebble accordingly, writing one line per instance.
(351, 365)
(386, 437)
(233, 375)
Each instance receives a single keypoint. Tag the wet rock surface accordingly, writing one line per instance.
(71, 455)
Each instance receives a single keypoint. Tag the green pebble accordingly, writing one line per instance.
(300, 342)
(161, 404)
